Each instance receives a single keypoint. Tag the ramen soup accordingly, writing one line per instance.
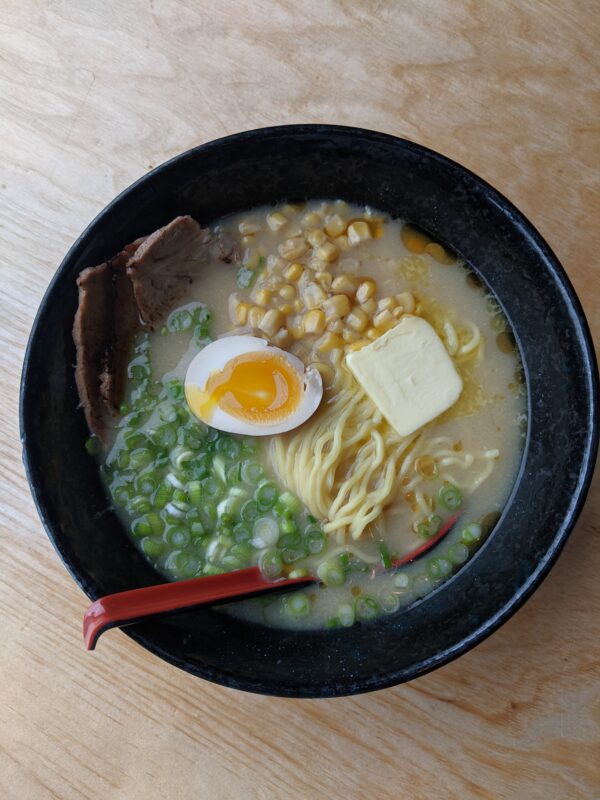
(420, 416)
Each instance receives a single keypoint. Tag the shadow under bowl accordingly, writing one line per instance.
(457, 208)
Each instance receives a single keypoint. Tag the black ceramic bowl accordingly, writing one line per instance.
(456, 207)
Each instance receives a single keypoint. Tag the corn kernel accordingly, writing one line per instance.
(314, 321)
(241, 313)
(294, 272)
(251, 258)
(398, 312)
(255, 315)
(286, 308)
(282, 338)
(311, 220)
(357, 345)
(248, 227)
(335, 325)
(296, 327)
(276, 221)
(383, 320)
(328, 342)
(387, 304)
(293, 248)
(365, 291)
(407, 301)
(349, 335)
(271, 322)
(327, 252)
(316, 238)
(313, 295)
(357, 319)
(263, 297)
(325, 279)
(358, 231)
(369, 306)
(298, 305)
(372, 334)
(335, 225)
(341, 242)
(413, 239)
(287, 291)
(337, 306)
(344, 284)
(300, 350)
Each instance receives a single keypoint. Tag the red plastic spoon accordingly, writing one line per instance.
(135, 605)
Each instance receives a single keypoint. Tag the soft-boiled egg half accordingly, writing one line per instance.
(242, 384)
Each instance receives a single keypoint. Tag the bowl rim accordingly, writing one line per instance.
(572, 511)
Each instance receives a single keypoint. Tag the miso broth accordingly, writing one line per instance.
(198, 502)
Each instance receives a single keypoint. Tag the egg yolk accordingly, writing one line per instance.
(258, 387)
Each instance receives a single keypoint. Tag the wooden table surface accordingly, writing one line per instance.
(92, 95)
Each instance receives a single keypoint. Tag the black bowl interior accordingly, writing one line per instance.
(299, 162)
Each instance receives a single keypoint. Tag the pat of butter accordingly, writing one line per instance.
(408, 374)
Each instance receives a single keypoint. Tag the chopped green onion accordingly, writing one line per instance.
(390, 603)
(155, 522)
(165, 436)
(300, 572)
(346, 615)
(140, 458)
(471, 534)
(141, 527)
(265, 532)
(289, 502)
(291, 554)
(229, 447)
(180, 455)
(178, 536)
(366, 608)
(298, 605)
(220, 468)
(175, 389)
(179, 320)
(92, 446)
(429, 527)
(252, 472)
(288, 526)
(422, 585)
(139, 505)
(249, 511)
(331, 573)
(270, 564)
(212, 488)
(146, 484)
(266, 495)
(194, 490)
(384, 555)
(450, 497)
(438, 568)
(163, 495)
(152, 547)
(242, 533)
(314, 538)
(458, 553)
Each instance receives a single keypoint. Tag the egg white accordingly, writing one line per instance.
(216, 355)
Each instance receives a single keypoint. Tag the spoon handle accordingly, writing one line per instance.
(134, 605)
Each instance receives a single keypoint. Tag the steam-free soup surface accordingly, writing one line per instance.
(332, 278)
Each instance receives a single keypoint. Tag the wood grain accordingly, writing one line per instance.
(94, 94)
